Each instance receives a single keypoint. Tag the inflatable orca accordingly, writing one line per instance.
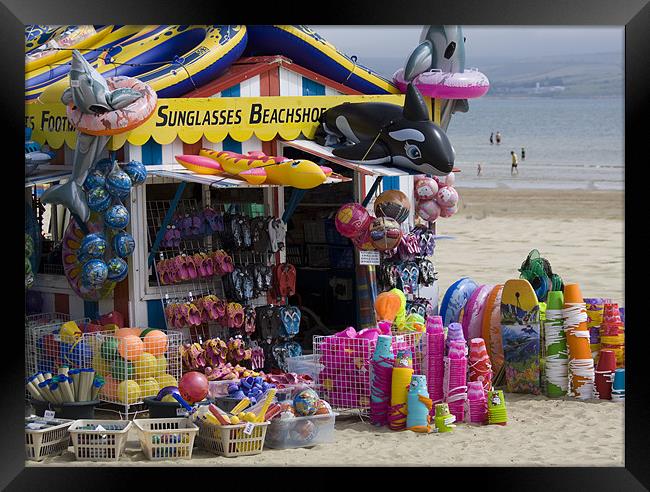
(384, 133)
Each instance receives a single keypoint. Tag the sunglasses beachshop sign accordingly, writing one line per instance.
(214, 118)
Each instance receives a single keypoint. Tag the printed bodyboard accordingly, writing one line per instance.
(491, 328)
(520, 333)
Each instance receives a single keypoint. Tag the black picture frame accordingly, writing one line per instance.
(633, 14)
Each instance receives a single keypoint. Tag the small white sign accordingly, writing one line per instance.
(49, 414)
(369, 258)
(248, 430)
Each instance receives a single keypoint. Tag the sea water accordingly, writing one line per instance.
(570, 143)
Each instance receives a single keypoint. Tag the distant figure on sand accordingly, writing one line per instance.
(523, 153)
(478, 170)
(498, 138)
(492, 138)
(514, 163)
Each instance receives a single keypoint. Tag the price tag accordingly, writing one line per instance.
(180, 411)
(49, 414)
(369, 258)
(248, 430)
(450, 420)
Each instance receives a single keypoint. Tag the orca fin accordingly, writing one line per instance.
(419, 61)
(364, 150)
(415, 109)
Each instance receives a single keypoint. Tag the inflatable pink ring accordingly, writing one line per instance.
(72, 266)
(119, 120)
(466, 85)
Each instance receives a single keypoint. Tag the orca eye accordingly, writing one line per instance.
(451, 47)
(412, 151)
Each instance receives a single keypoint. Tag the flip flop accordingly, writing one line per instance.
(235, 313)
(198, 261)
(290, 317)
(286, 273)
(191, 267)
(194, 315)
(182, 272)
(249, 319)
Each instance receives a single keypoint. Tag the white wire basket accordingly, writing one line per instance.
(52, 441)
(344, 380)
(105, 444)
(165, 439)
(232, 440)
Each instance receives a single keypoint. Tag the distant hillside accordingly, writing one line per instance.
(584, 75)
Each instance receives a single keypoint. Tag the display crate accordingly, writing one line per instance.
(52, 441)
(301, 432)
(165, 439)
(232, 440)
(105, 444)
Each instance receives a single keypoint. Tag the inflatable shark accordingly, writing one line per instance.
(384, 133)
(441, 48)
(89, 92)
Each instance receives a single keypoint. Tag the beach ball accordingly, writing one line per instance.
(94, 274)
(109, 390)
(128, 391)
(118, 269)
(303, 432)
(450, 179)
(145, 365)
(351, 219)
(306, 402)
(108, 350)
(99, 365)
(161, 365)
(363, 241)
(104, 166)
(95, 179)
(393, 204)
(123, 244)
(117, 217)
(118, 183)
(447, 197)
(428, 210)
(385, 233)
(448, 211)
(125, 332)
(165, 380)
(425, 189)
(136, 171)
(193, 386)
(155, 342)
(148, 387)
(122, 369)
(98, 199)
(130, 347)
(92, 246)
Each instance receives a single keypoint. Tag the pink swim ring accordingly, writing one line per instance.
(444, 85)
(119, 120)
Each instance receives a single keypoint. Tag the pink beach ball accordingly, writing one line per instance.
(447, 197)
(428, 210)
(351, 220)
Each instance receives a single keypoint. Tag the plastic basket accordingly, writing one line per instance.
(39, 444)
(99, 445)
(301, 432)
(305, 364)
(230, 440)
(163, 439)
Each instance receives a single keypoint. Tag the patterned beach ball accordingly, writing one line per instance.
(448, 211)
(393, 204)
(136, 171)
(425, 189)
(95, 179)
(447, 197)
(92, 246)
(104, 166)
(428, 210)
(351, 220)
(363, 241)
(94, 274)
(118, 269)
(385, 233)
(306, 402)
(117, 217)
(118, 183)
(123, 244)
(98, 199)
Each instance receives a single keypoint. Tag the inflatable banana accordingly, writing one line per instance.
(183, 57)
(38, 80)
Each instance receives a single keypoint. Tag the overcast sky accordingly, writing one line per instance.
(482, 42)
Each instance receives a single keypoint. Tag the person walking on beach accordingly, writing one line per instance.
(479, 169)
(492, 138)
(498, 138)
(514, 163)
(523, 153)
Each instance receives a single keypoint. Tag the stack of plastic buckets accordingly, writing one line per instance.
(435, 365)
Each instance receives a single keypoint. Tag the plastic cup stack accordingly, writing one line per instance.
(581, 362)
(480, 367)
(382, 364)
(455, 334)
(618, 386)
(476, 403)
(497, 413)
(435, 362)
(556, 362)
(455, 381)
(612, 335)
(594, 306)
(605, 375)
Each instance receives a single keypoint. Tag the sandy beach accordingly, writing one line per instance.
(581, 234)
